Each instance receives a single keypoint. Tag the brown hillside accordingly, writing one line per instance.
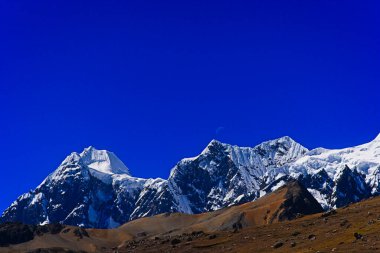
(158, 232)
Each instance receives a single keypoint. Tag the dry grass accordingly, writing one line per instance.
(313, 233)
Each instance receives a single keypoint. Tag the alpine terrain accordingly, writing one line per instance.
(95, 189)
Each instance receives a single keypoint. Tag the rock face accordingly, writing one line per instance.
(298, 201)
(288, 202)
(91, 189)
(94, 188)
(222, 175)
(15, 233)
(341, 176)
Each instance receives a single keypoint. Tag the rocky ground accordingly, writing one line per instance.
(354, 228)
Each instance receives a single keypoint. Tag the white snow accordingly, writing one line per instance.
(103, 161)
(249, 169)
(322, 199)
(239, 198)
(46, 221)
(37, 199)
(275, 187)
(364, 158)
(183, 204)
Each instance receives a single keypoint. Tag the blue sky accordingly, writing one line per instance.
(155, 81)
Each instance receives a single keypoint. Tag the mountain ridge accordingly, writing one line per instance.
(286, 203)
(89, 191)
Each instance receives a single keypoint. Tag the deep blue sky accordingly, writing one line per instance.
(155, 81)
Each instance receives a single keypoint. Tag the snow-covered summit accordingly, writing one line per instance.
(323, 171)
(94, 188)
(281, 150)
(249, 160)
(101, 161)
(364, 158)
(91, 189)
(212, 143)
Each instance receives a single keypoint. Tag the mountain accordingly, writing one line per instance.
(286, 203)
(91, 189)
(222, 175)
(95, 189)
(340, 176)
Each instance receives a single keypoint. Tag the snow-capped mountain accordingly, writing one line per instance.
(222, 175)
(91, 189)
(95, 189)
(340, 176)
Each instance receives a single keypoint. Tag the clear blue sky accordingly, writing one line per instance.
(155, 81)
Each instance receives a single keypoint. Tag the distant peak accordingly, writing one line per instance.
(213, 142)
(72, 158)
(281, 146)
(103, 161)
(89, 148)
(284, 139)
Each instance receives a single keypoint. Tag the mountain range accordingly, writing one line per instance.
(287, 203)
(94, 189)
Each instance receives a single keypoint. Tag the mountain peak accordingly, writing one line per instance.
(103, 161)
(283, 139)
(213, 143)
(298, 200)
(222, 175)
(90, 149)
